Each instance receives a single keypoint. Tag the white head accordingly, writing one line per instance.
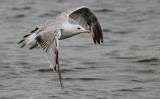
(79, 29)
(74, 29)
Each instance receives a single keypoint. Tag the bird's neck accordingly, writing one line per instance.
(67, 31)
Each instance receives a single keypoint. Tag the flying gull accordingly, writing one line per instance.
(48, 34)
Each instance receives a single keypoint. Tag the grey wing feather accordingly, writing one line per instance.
(49, 41)
(84, 17)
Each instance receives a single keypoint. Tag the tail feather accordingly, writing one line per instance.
(27, 39)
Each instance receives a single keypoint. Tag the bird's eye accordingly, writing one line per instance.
(78, 28)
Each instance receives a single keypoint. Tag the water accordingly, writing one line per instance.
(125, 66)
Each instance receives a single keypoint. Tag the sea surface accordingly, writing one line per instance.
(125, 66)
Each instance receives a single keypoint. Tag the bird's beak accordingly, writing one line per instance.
(87, 31)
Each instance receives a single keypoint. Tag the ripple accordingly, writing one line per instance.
(24, 8)
(104, 10)
(138, 81)
(22, 63)
(52, 97)
(51, 70)
(148, 60)
(89, 63)
(7, 66)
(66, 70)
(126, 57)
(80, 68)
(135, 89)
(69, 79)
(45, 70)
(106, 30)
(145, 71)
(126, 90)
(20, 16)
(86, 79)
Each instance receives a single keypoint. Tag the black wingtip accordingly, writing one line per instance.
(20, 41)
(101, 41)
(23, 45)
(34, 30)
(26, 35)
(55, 68)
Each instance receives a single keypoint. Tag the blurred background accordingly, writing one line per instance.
(125, 66)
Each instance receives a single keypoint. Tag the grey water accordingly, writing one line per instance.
(125, 66)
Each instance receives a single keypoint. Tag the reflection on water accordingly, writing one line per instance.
(125, 66)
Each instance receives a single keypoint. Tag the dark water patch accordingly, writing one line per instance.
(102, 98)
(44, 70)
(19, 16)
(53, 97)
(84, 79)
(14, 73)
(138, 81)
(149, 60)
(125, 58)
(89, 79)
(136, 89)
(66, 70)
(124, 32)
(120, 32)
(7, 66)
(89, 63)
(125, 90)
(80, 68)
(68, 79)
(23, 8)
(26, 67)
(80, 47)
(21, 63)
(51, 70)
(149, 71)
(106, 30)
(104, 10)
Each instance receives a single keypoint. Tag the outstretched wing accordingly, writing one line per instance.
(49, 41)
(84, 17)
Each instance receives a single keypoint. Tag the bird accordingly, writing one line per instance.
(57, 28)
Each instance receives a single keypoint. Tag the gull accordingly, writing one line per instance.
(60, 27)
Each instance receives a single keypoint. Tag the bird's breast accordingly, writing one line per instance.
(65, 35)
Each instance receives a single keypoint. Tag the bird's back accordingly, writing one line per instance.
(55, 22)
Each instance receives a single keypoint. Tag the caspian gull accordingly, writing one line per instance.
(57, 28)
